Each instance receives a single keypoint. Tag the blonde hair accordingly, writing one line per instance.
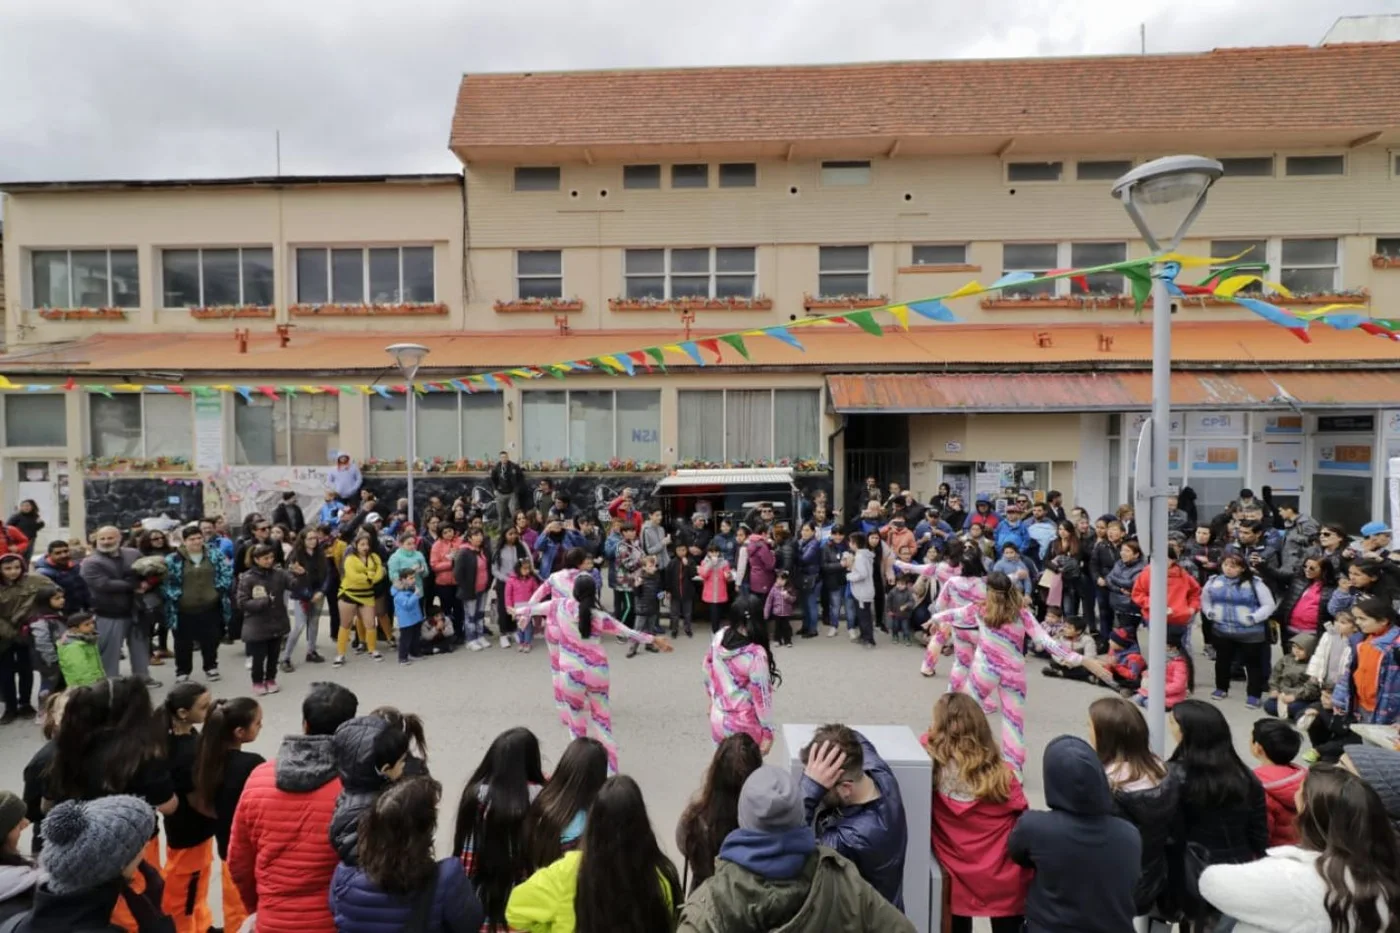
(1003, 603)
(961, 738)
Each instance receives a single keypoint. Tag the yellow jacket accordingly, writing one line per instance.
(358, 577)
(544, 902)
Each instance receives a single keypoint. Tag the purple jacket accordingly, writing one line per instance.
(762, 564)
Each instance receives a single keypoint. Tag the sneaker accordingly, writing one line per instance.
(652, 649)
(211, 675)
(272, 687)
(927, 669)
(153, 684)
(475, 645)
(360, 648)
(315, 658)
(8, 717)
(525, 649)
(1252, 703)
(484, 641)
(1312, 756)
(809, 635)
(375, 655)
(855, 635)
(286, 667)
(182, 678)
(27, 711)
(339, 661)
(632, 650)
(156, 659)
(1220, 694)
(833, 632)
(259, 690)
(405, 662)
(505, 641)
(248, 664)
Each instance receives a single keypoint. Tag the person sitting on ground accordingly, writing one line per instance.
(772, 875)
(1291, 690)
(853, 800)
(1274, 745)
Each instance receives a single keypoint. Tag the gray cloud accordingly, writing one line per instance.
(162, 88)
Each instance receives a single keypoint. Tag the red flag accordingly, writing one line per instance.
(70, 385)
(330, 390)
(1376, 330)
(269, 391)
(399, 389)
(640, 356)
(712, 344)
(1080, 280)
(180, 391)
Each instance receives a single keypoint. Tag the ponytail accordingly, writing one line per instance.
(180, 699)
(748, 622)
(586, 595)
(219, 737)
(410, 723)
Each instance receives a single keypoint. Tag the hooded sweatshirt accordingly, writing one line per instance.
(1281, 783)
(1086, 860)
(360, 781)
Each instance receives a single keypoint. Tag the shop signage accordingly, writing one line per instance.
(1346, 458)
(1346, 424)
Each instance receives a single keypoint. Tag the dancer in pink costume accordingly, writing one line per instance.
(959, 576)
(999, 664)
(740, 674)
(550, 596)
(581, 680)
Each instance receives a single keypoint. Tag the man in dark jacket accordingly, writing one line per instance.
(472, 570)
(112, 585)
(834, 578)
(506, 478)
(853, 800)
(64, 573)
(289, 513)
(370, 754)
(1086, 860)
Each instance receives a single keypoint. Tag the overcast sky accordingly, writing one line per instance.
(196, 88)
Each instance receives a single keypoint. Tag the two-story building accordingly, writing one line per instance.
(603, 212)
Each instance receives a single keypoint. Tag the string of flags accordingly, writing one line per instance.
(1228, 282)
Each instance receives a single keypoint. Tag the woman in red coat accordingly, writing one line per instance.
(976, 802)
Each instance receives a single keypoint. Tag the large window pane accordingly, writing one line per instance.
(35, 421)
(315, 428)
(1085, 255)
(179, 278)
(483, 426)
(259, 431)
(126, 279)
(90, 278)
(590, 426)
(1310, 252)
(701, 424)
(639, 425)
(169, 426)
(387, 440)
(50, 270)
(220, 277)
(384, 276)
(1037, 258)
(545, 425)
(437, 425)
(1309, 281)
(347, 276)
(257, 276)
(645, 271)
(748, 425)
(115, 424)
(311, 277)
(796, 424)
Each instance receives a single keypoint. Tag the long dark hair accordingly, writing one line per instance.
(1214, 776)
(411, 724)
(395, 846)
(112, 719)
(572, 788)
(84, 717)
(180, 699)
(1072, 548)
(1121, 737)
(219, 737)
(617, 877)
(574, 558)
(586, 595)
(491, 818)
(748, 627)
(1343, 819)
(713, 813)
(144, 545)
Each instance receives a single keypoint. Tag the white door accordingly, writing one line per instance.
(38, 480)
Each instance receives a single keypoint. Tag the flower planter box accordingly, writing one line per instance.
(1071, 302)
(539, 306)
(757, 303)
(843, 302)
(232, 311)
(130, 465)
(83, 314)
(424, 309)
(1385, 262)
(568, 467)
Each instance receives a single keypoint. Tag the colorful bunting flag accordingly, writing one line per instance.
(901, 314)
(691, 350)
(865, 320)
(737, 342)
(782, 333)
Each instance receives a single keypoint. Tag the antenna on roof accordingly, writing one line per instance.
(277, 143)
(1142, 37)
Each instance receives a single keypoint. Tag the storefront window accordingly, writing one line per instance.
(1343, 469)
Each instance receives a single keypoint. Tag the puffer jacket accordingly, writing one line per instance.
(785, 883)
(1298, 539)
(833, 572)
(1120, 586)
(648, 593)
(265, 615)
(1240, 609)
(1291, 586)
(279, 854)
(762, 565)
(1153, 812)
(873, 835)
(173, 586)
(359, 906)
(360, 782)
(69, 579)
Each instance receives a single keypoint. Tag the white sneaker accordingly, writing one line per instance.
(475, 645)
(505, 641)
(855, 635)
(247, 664)
(833, 632)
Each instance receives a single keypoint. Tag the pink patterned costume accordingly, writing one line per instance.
(581, 670)
(955, 591)
(740, 691)
(999, 666)
(556, 589)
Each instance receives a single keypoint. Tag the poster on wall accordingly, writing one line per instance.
(208, 432)
(1283, 465)
(959, 484)
(1344, 458)
(1392, 422)
(1283, 424)
(1209, 457)
(987, 477)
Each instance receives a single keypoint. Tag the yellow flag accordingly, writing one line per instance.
(7, 384)
(971, 288)
(673, 348)
(312, 390)
(1234, 283)
(365, 390)
(223, 387)
(611, 362)
(901, 314)
(1314, 313)
(1190, 262)
(128, 387)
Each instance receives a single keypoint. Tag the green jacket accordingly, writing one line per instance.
(829, 894)
(79, 660)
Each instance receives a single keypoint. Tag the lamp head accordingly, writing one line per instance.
(408, 356)
(1164, 196)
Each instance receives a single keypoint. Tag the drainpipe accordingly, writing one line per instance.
(831, 459)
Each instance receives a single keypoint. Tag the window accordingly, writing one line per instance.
(386, 274)
(193, 278)
(1034, 171)
(1315, 165)
(1309, 267)
(940, 254)
(843, 270)
(141, 425)
(738, 175)
(1388, 246)
(36, 421)
(1254, 261)
(641, 176)
(695, 175)
(1249, 167)
(85, 278)
(449, 425)
(298, 431)
(591, 425)
(721, 272)
(838, 174)
(718, 425)
(1108, 170)
(1084, 255)
(537, 178)
(1035, 258)
(539, 273)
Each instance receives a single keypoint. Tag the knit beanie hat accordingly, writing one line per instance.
(771, 801)
(90, 842)
(12, 810)
(1379, 767)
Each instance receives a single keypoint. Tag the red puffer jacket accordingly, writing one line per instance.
(280, 853)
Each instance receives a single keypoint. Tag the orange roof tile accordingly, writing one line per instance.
(1238, 90)
(1229, 344)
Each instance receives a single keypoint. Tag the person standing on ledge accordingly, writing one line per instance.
(345, 479)
(506, 479)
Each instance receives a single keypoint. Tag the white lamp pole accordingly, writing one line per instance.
(408, 357)
(1163, 198)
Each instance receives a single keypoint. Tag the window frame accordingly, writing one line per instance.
(1080, 163)
(5, 421)
(772, 418)
(1272, 173)
(199, 262)
(914, 254)
(1071, 264)
(68, 261)
(867, 271)
(515, 179)
(568, 432)
(145, 435)
(1378, 251)
(1014, 291)
(1059, 172)
(642, 165)
(537, 276)
(845, 165)
(1287, 159)
(232, 424)
(365, 292)
(461, 434)
(666, 274)
(719, 174)
(1335, 266)
(671, 176)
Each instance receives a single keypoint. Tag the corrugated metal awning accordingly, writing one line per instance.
(736, 477)
(932, 393)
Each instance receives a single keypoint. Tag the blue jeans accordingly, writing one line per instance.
(811, 601)
(834, 602)
(473, 619)
(852, 620)
(1295, 709)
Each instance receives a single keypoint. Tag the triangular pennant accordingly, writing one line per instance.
(330, 390)
(626, 363)
(491, 382)
(1011, 278)
(101, 390)
(383, 391)
(1189, 262)
(712, 345)
(269, 391)
(901, 314)
(1080, 279)
(737, 342)
(865, 320)
(1276, 315)
(203, 391)
(1344, 321)
(935, 310)
(556, 370)
(1229, 287)
(245, 391)
(128, 387)
(971, 288)
(689, 348)
(505, 378)
(180, 391)
(70, 385)
(1374, 329)
(7, 384)
(353, 390)
(1141, 282)
(224, 387)
(420, 388)
(610, 362)
(365, 390)
(34, 387)
(640, 358)
(157, 388)
(781, 333)
(656, 354)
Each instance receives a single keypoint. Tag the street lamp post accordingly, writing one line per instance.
(1163, 198)
(408, 357)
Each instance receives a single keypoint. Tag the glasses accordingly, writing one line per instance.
(263, 528)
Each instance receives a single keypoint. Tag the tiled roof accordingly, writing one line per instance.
(838, 348)
(1237, 90)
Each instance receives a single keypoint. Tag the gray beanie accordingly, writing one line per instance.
(771, 801)
(90, 842)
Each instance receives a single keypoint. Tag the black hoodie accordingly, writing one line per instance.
(1086, 861)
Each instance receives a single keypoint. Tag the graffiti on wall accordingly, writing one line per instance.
(234, 492)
